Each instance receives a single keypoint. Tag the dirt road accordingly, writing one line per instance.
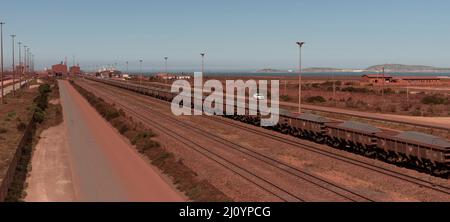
(104, 166)
(51, 176)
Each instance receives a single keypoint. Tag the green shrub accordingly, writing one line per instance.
(141, 136)
(39, 116)
(355, 89)
(146, 144)
(11, 114)
(285, 98)
(21, 126)
(110, 113)
(434, 99)
(44, 89)
(316, 99)
(121, 125)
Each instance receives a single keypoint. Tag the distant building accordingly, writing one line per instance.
(377, 78)
(108, 73)
(75, 70)
(401, 80)
(59, 69)
(418, 80)
(167, 76)
(20, 68)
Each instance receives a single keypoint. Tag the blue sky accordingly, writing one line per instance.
(235, 34)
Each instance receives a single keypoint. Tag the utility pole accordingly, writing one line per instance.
(28, 62)
(1, 55)
(165, 68)
(32, 63)
(25, 61)
(140, 70)
(382, 85)
(203, 62)
(300, 45)
(334, 88)
(13, 64)
(407, 92)
(20, 65)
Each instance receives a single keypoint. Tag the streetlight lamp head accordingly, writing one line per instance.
(300, 43)
(203, 54)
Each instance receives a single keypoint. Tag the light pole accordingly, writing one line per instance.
(382, 85)
(300, 45)
(1, 55)
(20, 65)
(407, 93)
(140, 70)
(165, 68)
(334, 88)
(28, 62)
(32, 63)
(203, 62)
(127, 67)
(25, 61)
(13, 64)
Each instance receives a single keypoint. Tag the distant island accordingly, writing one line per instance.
(271, 71)
(396, 68)
(327, 69)
(407, 68)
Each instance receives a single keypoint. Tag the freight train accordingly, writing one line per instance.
(423, 152)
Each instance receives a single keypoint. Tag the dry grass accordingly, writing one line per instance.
(15, 114)
(52, 117)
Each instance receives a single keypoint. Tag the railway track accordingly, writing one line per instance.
(321, 151)
(350, 114)
(327, 186)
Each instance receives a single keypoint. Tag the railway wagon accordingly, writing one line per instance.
(311, 126)
(355, 136)
(424, 152)
(306, 125)
(421, 150)
(285, 125)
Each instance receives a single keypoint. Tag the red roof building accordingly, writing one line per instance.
(377, 78)
(75, 70)
(59, 69)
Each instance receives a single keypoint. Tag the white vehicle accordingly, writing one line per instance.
(258, 96)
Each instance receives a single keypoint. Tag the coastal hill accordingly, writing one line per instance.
(399, 68)
(407, 68)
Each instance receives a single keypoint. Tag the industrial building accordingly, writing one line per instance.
(59, 69)
(75, 70)
(377, 79)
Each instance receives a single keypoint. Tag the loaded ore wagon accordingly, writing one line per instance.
(356, 136)
(421, 150)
